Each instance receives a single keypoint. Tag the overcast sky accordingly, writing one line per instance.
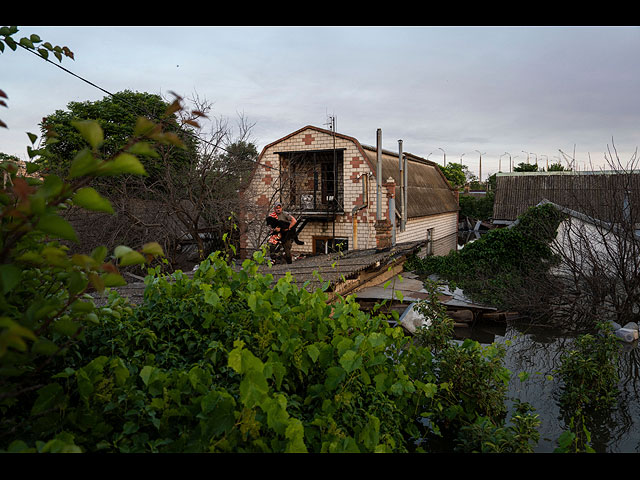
(454, 91)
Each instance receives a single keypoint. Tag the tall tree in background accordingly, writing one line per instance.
(526, 167)
(558, 167)
(118, 116)
(456, 173)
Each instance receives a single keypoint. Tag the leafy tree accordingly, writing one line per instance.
(526, 167)
(117, 116)
(557, 167)
(5, 156)
(589, 372)
(479, 208)
(456, 174)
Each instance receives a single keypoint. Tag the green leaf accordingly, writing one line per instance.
(32, 167)
(370, 434)
(120, 370)
(90, 131)
(44, 346)
(99, 253)
(144, 148)
(313, 352)
(123, 163)
(131, 258)
(350, 361)
(90, 199)
(76, 283)
(82, 307)
(49, 397)
(335, 375)
(152, 248)
(295, 435)
(144, 126)
(82, 164)
(121, 250)
(253, 387)
(57, 226)
(25, 42)
(147, 373)
(218, 408)
(211, 298)
(113, 280)
(9, 277)
(16, 329)
(51, 186)
(66, 326)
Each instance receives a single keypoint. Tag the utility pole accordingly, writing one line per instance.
(480, 166)
(444, 162)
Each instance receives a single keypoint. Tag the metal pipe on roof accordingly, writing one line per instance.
(392, 214)
(405, 200)
(401, 205)
(354, 212)
(379, 175)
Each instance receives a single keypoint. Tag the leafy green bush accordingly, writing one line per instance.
(484, 436)
(502, 261)
(227, 361)
(46, 309)
(480, 208)
(589, 374)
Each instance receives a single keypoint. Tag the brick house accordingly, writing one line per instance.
(328, 181)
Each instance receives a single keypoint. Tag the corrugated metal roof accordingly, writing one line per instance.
(599, 195)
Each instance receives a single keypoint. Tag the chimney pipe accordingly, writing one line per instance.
(404, 192)
(379, 175)
(400, 195)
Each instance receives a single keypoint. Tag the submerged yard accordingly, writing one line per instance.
(534, 352)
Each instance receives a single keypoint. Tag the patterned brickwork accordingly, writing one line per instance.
(264, 184)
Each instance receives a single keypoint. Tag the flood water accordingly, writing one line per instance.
(537, 351)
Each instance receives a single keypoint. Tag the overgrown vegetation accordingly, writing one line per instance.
(589, 375)
(500, 267)
(227, 361)
(478, 208)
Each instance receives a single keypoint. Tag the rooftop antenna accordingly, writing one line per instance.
(331, 122)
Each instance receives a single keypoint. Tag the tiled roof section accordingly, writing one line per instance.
(332, 268)
(336, 268)
(429, 192)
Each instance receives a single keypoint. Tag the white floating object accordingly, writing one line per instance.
(627, 334)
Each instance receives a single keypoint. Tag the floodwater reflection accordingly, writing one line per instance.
(536, 351)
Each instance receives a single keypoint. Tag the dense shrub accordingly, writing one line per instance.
(502, 262)
(227, 361)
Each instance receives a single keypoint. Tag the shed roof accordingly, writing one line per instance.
(336, 272)
(601, 195)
